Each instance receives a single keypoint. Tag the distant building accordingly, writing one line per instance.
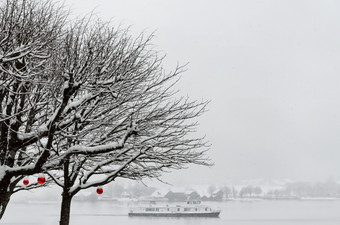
(176, 196)
(193, 196)
(217, 196)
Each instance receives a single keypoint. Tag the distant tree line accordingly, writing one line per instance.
(294, 190)
(305, 189)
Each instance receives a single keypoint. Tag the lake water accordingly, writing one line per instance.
(233, 213)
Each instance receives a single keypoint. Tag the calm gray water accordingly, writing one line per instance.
(233, 213)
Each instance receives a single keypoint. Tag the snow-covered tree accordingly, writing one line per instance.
(86, 103)
(126, 121)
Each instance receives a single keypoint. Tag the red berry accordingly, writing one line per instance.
(26, 182)
(99, 191)
(41, 180)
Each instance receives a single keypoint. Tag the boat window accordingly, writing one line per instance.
(149, 209)
(196, 209)
(186, 209)
(206, 209)
(178, 209)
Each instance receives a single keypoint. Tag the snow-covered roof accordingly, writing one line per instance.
(160, 193)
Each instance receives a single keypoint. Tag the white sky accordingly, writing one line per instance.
(271, 69)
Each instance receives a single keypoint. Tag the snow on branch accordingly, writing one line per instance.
(99, 149)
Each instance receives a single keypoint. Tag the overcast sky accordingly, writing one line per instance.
(271, 70)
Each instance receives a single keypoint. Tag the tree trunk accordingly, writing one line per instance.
(3, 205)
(5, 195)
(65, 209)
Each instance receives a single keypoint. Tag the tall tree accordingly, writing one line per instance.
(128, 121)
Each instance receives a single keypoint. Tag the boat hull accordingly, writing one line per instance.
(207, 214)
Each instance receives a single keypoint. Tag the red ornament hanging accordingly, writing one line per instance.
(41, 179)
(100, 190)
(25, 182)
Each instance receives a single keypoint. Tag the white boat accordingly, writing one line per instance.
(191, 209)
